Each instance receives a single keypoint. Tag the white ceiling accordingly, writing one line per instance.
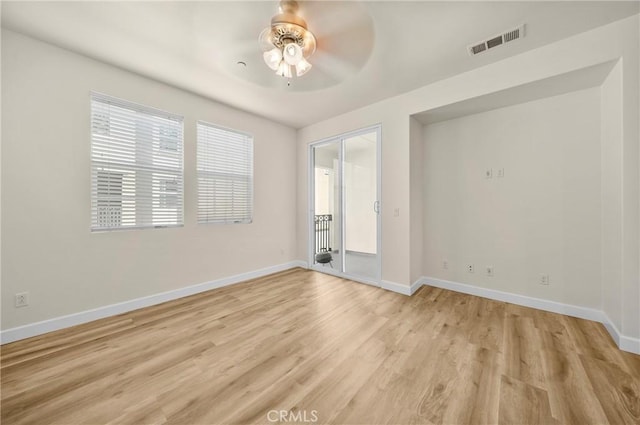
(367, 51)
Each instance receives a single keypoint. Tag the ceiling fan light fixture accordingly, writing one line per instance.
(292, 54)
(302, 67)
(272, 58)
(287, 42)
(284, 70)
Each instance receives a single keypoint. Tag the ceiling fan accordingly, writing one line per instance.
(335, 38)
(287, 42)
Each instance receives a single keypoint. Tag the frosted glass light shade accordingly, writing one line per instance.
(284, 70)
(302, 67)
(292, 54)
(273, 58)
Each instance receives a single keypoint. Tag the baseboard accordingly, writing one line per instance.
(624, 342)
(402, 289)
(611, 328)
(50, 325)
(629, 344)
(299, 263)
(364, 254)
(416, 285)
(396, 287)
(539, 303)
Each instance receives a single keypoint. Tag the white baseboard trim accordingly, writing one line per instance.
(57, 323)
(629, 344)
(625, 343)
(416, 285)
(299, 263)
(539, 303)
(395, 287)
(333, 272)
(611, 328)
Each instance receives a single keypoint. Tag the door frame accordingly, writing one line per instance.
(377, 128)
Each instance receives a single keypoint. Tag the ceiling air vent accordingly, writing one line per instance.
(478, 48)
(506, 37)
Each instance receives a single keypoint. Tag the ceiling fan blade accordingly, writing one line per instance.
(334, 66)
(326, 17)
(344, 33)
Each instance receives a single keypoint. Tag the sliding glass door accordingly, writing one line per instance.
(360, 198)
(327, 226)
(345, 223)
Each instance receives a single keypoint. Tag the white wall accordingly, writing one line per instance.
(324, 191)
(416, 150)
(47, 247)
(631, 186)
(612, 198)
(542, 217)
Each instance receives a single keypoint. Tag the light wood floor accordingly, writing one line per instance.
(302, 341)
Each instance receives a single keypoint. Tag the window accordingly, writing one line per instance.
(136, 166)
(110, 201)
(225, 175)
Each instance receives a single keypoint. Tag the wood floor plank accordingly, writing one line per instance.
(591, 339)
(487, 331)
(571, 395)
(522, 403)
(618, 391)
(335, 391)
(522, 344)
(299, 342)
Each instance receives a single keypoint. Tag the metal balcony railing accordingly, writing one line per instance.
(323, 232)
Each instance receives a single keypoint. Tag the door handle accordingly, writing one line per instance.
(376, 207)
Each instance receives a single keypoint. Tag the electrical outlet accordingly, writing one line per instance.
(470, 268)
(445, 264)
(500, 173)
(488, 173)
(489, 270)
(544, 279)
(396, 212)
(22, 299)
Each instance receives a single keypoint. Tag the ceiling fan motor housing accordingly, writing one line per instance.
(287, 15)
(287, 27)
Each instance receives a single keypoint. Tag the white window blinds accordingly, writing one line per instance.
(225, 175)
(136, 165)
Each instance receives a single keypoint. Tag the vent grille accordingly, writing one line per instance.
(479, 48)
(511, 35)
(506, 37)
(494, 42)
